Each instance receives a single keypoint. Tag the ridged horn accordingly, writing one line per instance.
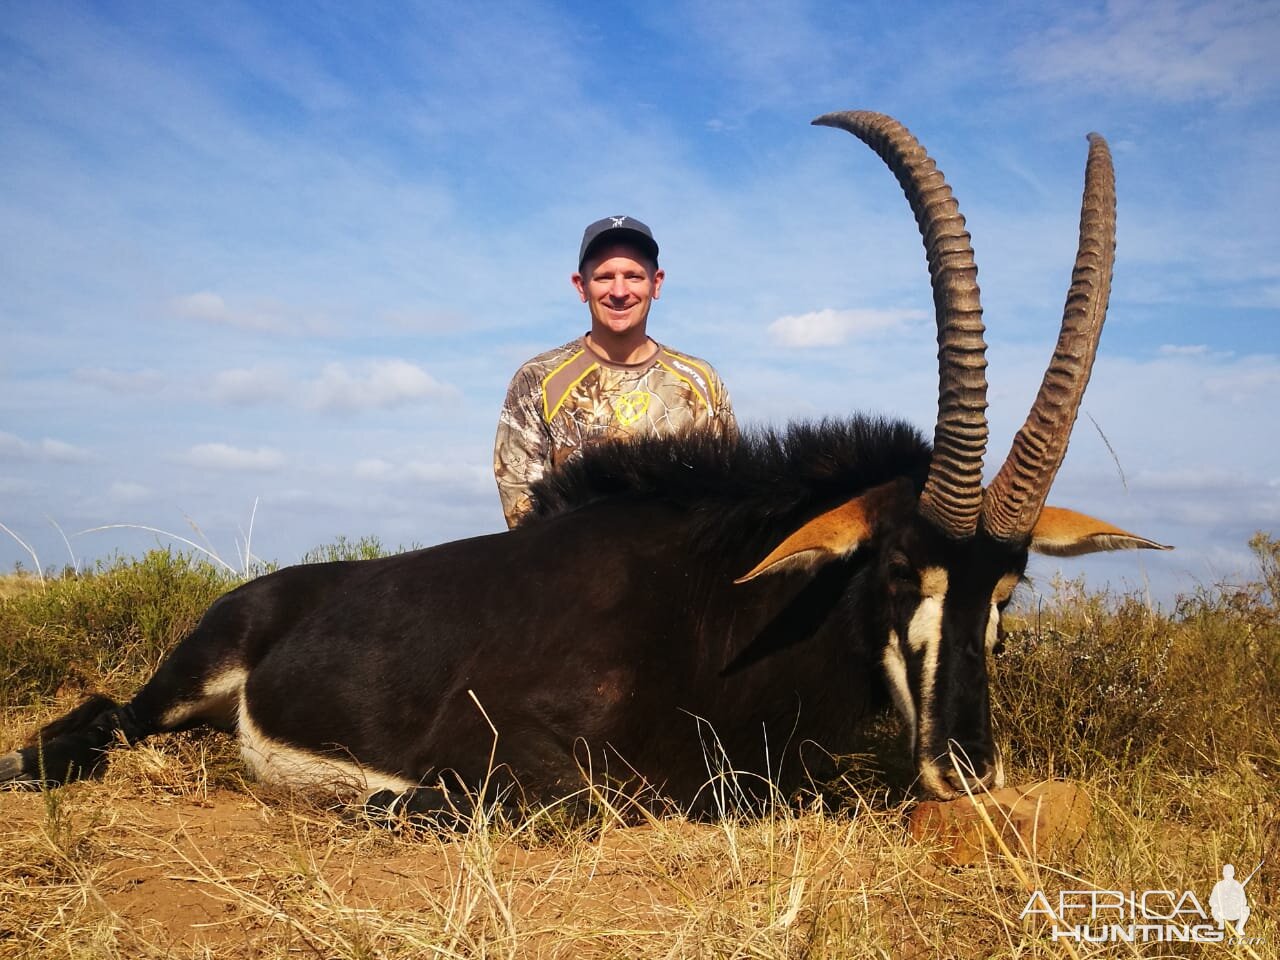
(1015, 498)
(952, 496)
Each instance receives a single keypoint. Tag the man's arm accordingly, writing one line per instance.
(725, 422)
(522, 448)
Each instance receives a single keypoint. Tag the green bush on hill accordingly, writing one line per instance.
(106, 629)
(103, 629)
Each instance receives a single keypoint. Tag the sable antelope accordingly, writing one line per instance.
(775, 590)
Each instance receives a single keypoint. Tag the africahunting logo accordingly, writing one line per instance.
(1149, 916)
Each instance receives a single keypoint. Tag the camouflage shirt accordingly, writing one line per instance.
(571, 396)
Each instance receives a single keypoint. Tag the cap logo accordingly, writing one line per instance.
(617, 221)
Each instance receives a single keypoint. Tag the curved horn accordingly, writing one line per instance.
(1016, 496)
(952, 495)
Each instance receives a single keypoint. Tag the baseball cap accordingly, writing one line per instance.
(617, 230)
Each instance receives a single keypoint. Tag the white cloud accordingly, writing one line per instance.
(830, 328)
(377, 384)
(373, 469)
(250, 386)
(339, 388)
(61, 452)
(46, 450)
(264, 317)
(1175, 350)
(423, 320)
(467, 476)
(221, 456)
(202, 306)
(1256, 379)
(1178, 50)
(470, 477)
(765, 53)
(121, 381)
(13, 446)
(125, 491)
(1193, 480)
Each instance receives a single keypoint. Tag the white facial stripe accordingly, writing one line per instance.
(925, 630)
(993, 628)
(279, 763)
(895, 669)
(924, 636)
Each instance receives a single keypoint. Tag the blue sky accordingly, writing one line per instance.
(290, 254)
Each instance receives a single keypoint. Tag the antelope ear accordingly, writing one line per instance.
(831, 535)
(1066, 533)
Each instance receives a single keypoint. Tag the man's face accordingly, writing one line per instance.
(618, 284)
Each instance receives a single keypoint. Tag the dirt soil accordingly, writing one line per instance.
(228, 874)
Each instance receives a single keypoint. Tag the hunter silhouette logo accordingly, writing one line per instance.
(1228, 902)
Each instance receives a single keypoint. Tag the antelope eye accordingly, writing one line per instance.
(902, 576)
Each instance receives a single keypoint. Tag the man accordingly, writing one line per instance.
(613, 382)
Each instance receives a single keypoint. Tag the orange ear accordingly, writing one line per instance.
(831, 535)
(1065, 533)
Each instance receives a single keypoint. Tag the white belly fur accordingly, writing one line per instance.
(284, 765)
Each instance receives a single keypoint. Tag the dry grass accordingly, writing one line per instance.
(1164, 719)
(152, 861)
(17, 584)
(166, 858)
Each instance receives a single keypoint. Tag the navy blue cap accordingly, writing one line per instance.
(627, 230)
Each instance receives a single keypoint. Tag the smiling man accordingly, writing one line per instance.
(613, 382)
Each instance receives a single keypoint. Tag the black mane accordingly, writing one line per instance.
(763, 477)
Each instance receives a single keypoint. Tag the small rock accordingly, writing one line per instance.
(1041, 821)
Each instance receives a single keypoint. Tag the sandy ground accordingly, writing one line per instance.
(228, 874)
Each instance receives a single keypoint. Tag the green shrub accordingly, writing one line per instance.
(1267, 549)
(105, 629)
(366, 548)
